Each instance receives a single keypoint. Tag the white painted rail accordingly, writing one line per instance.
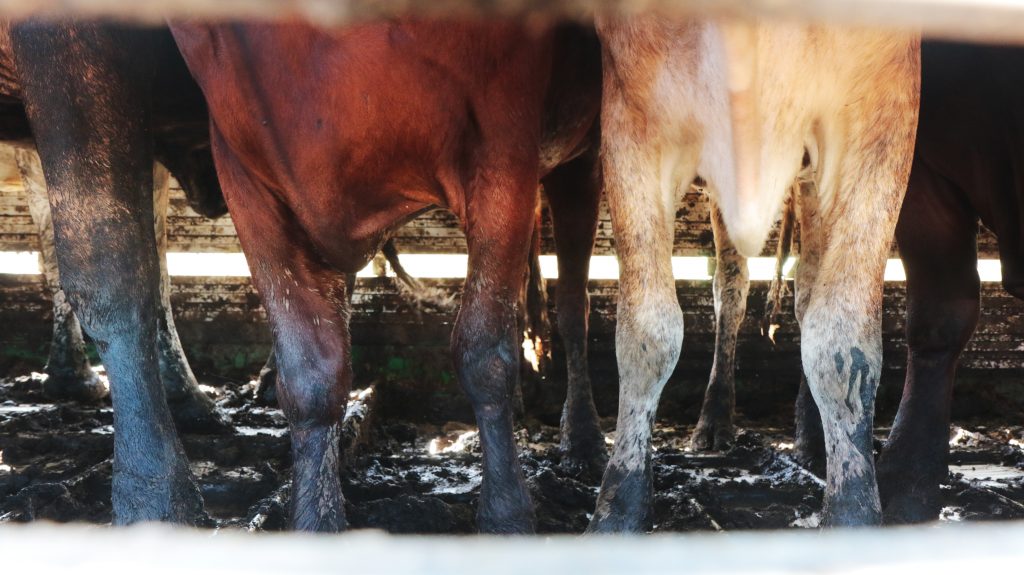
(965, 19)
(41, 549)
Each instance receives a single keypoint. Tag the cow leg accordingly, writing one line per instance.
(307, 306)
(192, 410)
(839, 283)
(841, 349)
(485, 342)
(69, 375)
(731, 283)
(266, 388)
(937, 239)
(574, 194)
(809, 438)
(97, 157)
(649, 327)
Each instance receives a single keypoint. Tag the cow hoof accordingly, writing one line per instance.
(515, 523)
(196, 413)
(81, 388)
(711, 435)
(313, 521)
(623, 506)
(585, 464)
(857, 507)
(908, 495)
(138, 498)
(810, 459)
(584, 455)
(906, 510)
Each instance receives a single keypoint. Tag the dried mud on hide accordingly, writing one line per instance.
(422, 478)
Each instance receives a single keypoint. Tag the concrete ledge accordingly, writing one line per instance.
(155, 550)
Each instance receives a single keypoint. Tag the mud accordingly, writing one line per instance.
(424, 478)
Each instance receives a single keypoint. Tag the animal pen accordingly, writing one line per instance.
(411, 457)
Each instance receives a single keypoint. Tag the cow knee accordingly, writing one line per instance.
(109, 310)
(572, 316)
(940, 336)
(648, 343)
(313, 393)
(487, 363)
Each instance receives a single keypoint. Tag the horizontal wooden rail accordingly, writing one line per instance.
(999, 20)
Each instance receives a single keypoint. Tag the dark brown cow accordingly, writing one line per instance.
(968, 165)
(104, 101)
(326, 142)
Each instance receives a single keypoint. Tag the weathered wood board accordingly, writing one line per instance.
(223, 328)
(436, 232)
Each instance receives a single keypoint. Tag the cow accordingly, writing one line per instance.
(69, 373)
(967, 167)
(327, 140)
(754, 108)
(963, 172)
(103, 102)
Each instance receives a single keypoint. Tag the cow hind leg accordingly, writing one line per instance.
(731, 284)
(68, 372)
(266, 383)
(574, 194)
(193, 411)
(100, 190)
(842, 357)
(485, 342)
(937, 239)
(809, 437)
(839, 282)
(307, 305)
(649, 326)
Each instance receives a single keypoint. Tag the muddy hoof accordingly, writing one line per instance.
(518, 524)
(585, 465)
(624, 504)
(855, 506)
(908, 496)
(810, 459)
(908, 509)
(196, 413)
(713, 436)
(137, 499)
(509, 514)
(81, 388)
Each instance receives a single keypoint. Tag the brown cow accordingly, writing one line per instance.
(327, 141)
(752, 108)
(69, 374)
(967, 166)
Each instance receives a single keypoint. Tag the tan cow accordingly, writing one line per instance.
(751, 109)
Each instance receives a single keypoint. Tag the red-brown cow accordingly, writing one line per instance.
(326, 141)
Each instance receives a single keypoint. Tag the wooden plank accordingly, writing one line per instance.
(223, 328)
(436, 232)
(992, 20)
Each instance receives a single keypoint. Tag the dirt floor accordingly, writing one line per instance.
(420, 478)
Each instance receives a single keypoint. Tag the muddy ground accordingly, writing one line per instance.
(424, 478)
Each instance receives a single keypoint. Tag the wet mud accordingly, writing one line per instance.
(407, 477)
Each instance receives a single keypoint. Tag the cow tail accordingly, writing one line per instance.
(777, 289)
(423, 297)
(538, 326)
